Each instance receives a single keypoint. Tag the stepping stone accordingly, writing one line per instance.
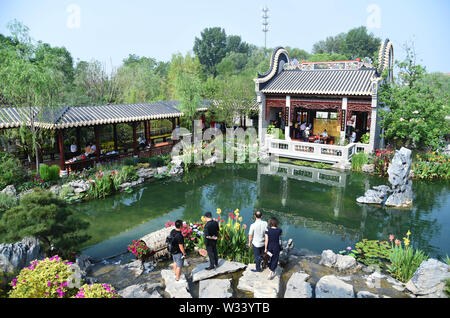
(331, 286)
(225, 267)
(215, 288)
(259, 284)
(176, 289)
(298, 287)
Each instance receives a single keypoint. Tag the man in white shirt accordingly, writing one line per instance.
(73, 149)
(256, 239)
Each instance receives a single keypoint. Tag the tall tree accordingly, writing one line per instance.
(211, 48)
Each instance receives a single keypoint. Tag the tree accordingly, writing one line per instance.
(29, 80)
(356, 43)
(416, 111)
(211, 48)
(360, 44)
(42, 215)
(236, 45)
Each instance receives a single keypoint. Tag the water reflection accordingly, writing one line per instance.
(317, 207)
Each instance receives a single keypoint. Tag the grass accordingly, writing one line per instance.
(318, 165)
(358, 160)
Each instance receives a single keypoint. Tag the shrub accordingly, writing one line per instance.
(156, 161)
(49, 173)
(10, 170)
(48, 278)
(431, 166)
(128, 173)
(382, 159)
(101, 185)
(405, 260)
(97, 291)
(6, 202)
(358, 160)
(365, 139)
(42, 215)
(130, 161)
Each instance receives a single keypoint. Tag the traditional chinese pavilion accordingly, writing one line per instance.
(340, 97)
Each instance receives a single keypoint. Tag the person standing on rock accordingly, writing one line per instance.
(272, 245)
(211, 232)
(178, 252)
(256, 239)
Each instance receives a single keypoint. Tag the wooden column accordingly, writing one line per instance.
(149, 138)
(115, 136)
(61, 150)
(135, 150)
(78, 137)
(97, 142)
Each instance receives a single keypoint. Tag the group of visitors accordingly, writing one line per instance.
(90, 149)
(264, 239)
(302, 131)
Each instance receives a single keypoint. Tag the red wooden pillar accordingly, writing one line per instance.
(61, 150)
(135, 151)
(97, 143)
(115, 136)
(149, 133)
(78, 133)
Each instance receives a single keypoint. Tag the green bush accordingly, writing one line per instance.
(10, 170)
(49, 173)
(157, 161)
(101, 185)
(358, 160)
(365, 139)
(130, 161)
(6, 202)
(42, 215)
(127, 173)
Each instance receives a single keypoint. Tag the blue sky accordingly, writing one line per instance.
(110, 30)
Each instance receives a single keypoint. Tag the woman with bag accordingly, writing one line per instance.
(272, 245)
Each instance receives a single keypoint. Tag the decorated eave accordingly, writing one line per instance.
(348, 78)
(73, 116)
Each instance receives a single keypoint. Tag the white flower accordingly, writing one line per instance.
(402, 119)
(415, 112)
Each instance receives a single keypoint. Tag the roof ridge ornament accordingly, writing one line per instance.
(279, 55)
(386, 59)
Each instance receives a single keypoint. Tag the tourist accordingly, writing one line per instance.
(73, 149)
(211, 232)
(307, 132)
(324, 134)
(141, 141)
(256, 239)
(272, 245)
(302, 130)
(93, 148)
(178, 252)
(353, 136)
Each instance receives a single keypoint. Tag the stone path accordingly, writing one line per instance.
(258, 284)
(215, 288)
(176, 289)
(200, 273)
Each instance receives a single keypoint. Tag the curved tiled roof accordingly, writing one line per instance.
(326, 82)
(75, 116)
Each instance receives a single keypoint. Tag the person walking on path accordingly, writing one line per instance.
(211, 232)
(178, 252)
(272, 245)
(256, 239)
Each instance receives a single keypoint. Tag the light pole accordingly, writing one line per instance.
(265, 25)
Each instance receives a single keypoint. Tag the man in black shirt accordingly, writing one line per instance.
(178, 252)
(211, 231)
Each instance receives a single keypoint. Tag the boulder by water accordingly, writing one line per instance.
(225, 267)
(331, 286)
(259, 284)
(340, 262)
(428, 279)
(298, 287)
(15, 256)
(215, 288)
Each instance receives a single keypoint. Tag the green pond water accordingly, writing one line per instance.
(316, 207)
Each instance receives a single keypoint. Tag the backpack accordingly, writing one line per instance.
(170, 244)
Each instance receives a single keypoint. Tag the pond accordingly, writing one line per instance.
(316, 207)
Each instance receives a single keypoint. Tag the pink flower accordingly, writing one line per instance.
(349, 248)
(391, 237)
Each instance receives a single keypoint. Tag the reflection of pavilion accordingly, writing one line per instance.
(314, 211)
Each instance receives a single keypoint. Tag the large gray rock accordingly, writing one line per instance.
(215, 288)
(366, 294)
(298, 287)
(84, 263)
(225, 267)
(331, 286)
(10, 190)
(14, 257)
(259, 284)
(176, 289)
(340, 262)
(141, 291)
(398, 177)
(373, 196)
(145, 173)
(135, 267)
(368, 168)
(428, 279)
(80, 186)
(286, 252)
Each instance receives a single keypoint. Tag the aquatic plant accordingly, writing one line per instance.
(405, 260)
(358, 160)
(372, 252)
